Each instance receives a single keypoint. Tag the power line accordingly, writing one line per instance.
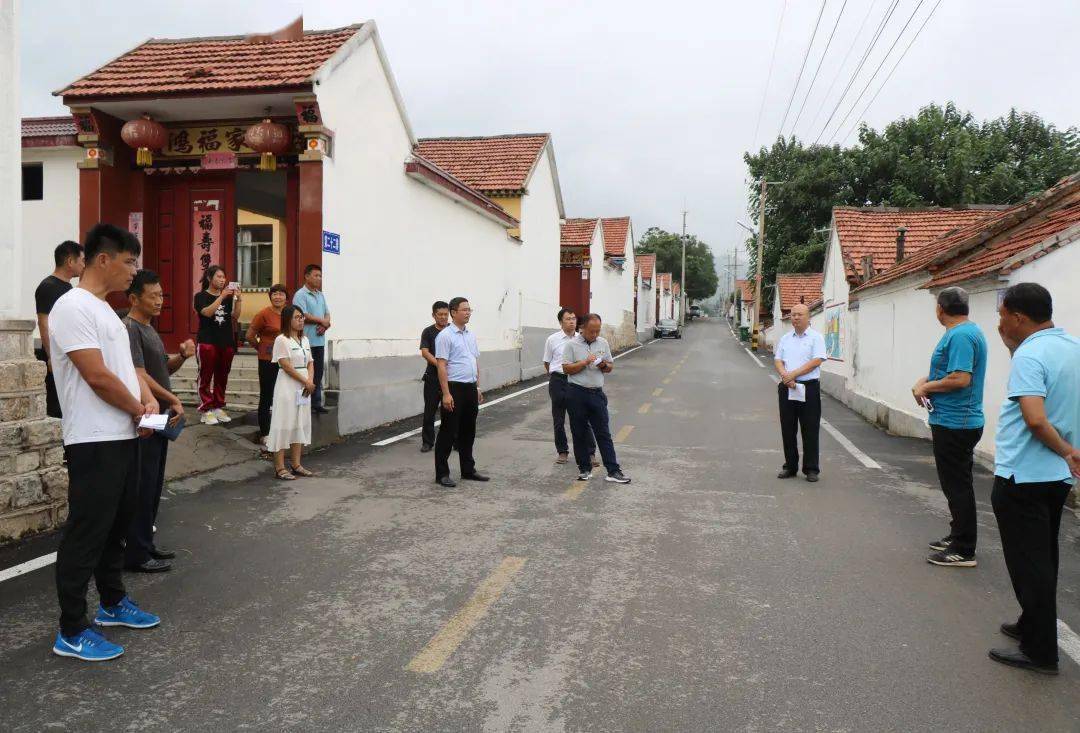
(818, 69)
(840, 68)
(879, 67)
(855, 75)
(803, 67)
(768, 80)
(862, 115)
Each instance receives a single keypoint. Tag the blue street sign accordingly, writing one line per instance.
(331, 243)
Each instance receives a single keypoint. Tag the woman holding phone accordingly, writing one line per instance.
(290, 422)
(218, 308)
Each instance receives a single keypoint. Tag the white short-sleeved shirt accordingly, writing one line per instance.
(298, 354)
(554, 348)
(80, 320)
(795, 350)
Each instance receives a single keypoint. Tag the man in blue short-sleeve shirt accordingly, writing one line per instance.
(1036, 459)
(953, 392)
(456, 355)
(311, 300)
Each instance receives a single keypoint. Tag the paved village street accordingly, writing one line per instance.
(705, 595)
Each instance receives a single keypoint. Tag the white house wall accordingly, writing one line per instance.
(834, 292)
(538, 278)
(646, 307)
(403, 245)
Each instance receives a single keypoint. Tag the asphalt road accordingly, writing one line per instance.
(705, 596)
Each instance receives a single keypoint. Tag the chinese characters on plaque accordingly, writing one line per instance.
(206, 233)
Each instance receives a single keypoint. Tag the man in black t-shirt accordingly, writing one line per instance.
(440, 311)
(68, 257)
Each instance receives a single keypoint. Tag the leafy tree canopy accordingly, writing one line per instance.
(701, 277)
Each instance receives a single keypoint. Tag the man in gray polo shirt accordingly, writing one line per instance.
(586, 360)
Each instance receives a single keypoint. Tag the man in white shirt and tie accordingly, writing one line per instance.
(557, 382)
(798, 360)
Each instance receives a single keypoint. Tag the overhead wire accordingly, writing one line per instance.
(818, 69)
(840, 68)
(855, 74)
(768, 80)
(880, 66)
(862, 115)
(802, 68)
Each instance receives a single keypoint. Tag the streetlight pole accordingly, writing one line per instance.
(682, 278)
(760, 255)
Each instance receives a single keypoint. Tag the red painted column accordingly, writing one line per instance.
(311, 214)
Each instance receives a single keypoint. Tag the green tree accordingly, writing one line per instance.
(701, 277)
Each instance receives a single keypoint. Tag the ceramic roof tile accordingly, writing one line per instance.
(490, 164)
(746, 289)
(165, 67)
(665, 280)
(646, 263)
(872, 231)
(48, 126)
(615, 231)
(577, 232)
(798, 288)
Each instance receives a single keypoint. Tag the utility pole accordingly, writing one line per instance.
(682, 278)
(760, 255)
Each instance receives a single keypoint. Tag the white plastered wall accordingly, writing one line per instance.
(538, 280)
(834, 293)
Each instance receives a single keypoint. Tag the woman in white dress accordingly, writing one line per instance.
(290, 423)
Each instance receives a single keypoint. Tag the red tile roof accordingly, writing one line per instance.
(498, 163)
(167, 67)
(646, 263)
(577, 232)
(615, 231)
(665, 280)
(872, 231)
(431, 174)
(746, 289)
(798, 288)
(48, 126)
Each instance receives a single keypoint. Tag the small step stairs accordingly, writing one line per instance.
(242, 394)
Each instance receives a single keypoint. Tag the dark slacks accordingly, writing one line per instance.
(804, 418)
(268, 371)
(588, 412)
(557, 389)
(52, 402)
(457, 430)
(954, 455)
(318, 356)
(153, 451)
(103, 492)
(1029, 516)
(432, 397)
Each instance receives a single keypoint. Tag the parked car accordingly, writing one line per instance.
(667, 328)
(693, 312)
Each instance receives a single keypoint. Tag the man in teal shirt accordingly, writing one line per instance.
(953, 392)
(1036, 459)
(312, 302)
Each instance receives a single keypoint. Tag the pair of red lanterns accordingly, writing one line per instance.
(269, 138)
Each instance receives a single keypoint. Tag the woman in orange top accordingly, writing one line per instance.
(262, 332)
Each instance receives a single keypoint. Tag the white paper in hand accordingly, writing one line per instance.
(154, 422)
(302, 399)
(598, 361)
(797, 393)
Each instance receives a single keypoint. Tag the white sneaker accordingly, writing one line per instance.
(221, 415)
(209, 418)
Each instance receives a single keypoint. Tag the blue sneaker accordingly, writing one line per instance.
(126, 613)
(88, 645)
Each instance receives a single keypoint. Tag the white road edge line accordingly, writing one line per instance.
(842, 440)
(504, 398)
(1068, 641)
(752, 357)
(27, 567)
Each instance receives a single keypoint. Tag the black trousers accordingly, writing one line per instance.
(268, 371)
(457, 430)
(318, 355)
(103, 492)
(805, 418)
(432, 398)
(153, 451)
(557, 389)
(1029, 516)
(954, 455)
(588, 412)
(52, 402)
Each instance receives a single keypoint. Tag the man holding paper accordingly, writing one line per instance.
(798, 359)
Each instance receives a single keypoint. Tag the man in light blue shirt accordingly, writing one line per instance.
(456, 354)
(312, 302)
(798, 359)
(1036, 459)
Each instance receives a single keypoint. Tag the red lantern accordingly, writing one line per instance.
(269, 138)
(145, 135)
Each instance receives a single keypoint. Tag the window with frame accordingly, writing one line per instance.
(33, 182)
(255, 255)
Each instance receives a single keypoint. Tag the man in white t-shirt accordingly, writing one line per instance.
(103, 399)
(557, 382)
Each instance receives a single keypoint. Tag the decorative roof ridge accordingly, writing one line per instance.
(920, 209)
(307, 32)
(500, 136)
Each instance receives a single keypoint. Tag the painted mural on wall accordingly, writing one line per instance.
(834, 345)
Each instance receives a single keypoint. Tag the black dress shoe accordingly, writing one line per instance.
(474, 476)
(1016, 658)
(1011, 630)
(161, 554)
(785, 474)
(151, 566)
(812, 476)
(319, 410)
(425, 447)
(446, 482)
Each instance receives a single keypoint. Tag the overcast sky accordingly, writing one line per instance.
(650, 104)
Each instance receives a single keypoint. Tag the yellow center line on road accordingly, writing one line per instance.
(433, 656)
(575, 490)
(667, 380)
(624, 433)
(658, 391)
(645, 408)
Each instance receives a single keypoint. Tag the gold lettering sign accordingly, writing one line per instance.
(187, 140)
(570, 257)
